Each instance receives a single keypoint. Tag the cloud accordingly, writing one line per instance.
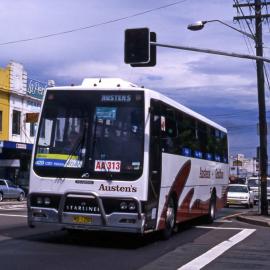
(209, 84)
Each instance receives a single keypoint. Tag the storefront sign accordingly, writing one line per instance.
(16, 145)
(21, 146)
(31, 117)
(35, 88)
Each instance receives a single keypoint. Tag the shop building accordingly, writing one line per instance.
(23, 99)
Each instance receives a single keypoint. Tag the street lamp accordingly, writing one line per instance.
(261, 98)
(200, 25)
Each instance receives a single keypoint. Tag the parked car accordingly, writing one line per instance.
(254, 185)
(10, 191)
(240, 195)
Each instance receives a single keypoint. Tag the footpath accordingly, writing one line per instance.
(13, 205)
(255, 218)
(8, 202)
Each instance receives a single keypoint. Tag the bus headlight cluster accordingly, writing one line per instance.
(39, 200)
(131, 206)
(43, 200)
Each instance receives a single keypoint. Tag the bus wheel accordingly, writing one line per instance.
(212, 210)
(170, 220)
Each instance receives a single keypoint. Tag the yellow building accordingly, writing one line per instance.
(4, 102)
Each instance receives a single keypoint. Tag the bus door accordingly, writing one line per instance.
(154, 166)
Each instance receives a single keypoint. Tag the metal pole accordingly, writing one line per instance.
(262, 113)
(210, 51)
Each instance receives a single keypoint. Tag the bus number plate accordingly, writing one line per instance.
(82, 220)
(107, 165)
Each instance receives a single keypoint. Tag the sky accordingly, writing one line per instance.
(223, 89)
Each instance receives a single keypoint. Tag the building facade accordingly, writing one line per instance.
(4, 102)
(242, 167)
(21, 97)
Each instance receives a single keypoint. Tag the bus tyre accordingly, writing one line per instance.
(170, 220)
(212, 210)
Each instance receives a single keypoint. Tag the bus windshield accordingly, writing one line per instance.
(91, 134)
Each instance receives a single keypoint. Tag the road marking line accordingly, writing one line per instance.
(220, 228)
(9, 215)
(12, 208)
(220, 220)
(217, 250)
(234, 215)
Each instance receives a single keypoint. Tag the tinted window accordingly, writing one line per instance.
(253, 182)
(238, 189)
(97, 133)
(192, 138)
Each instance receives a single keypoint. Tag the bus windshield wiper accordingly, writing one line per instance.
(77, 146)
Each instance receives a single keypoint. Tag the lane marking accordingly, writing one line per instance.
(221, 220)
(220, 228)
(11, 215)
(216, 251)
(13, 208)
(234, 215)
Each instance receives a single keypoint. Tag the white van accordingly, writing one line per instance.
(255, 184)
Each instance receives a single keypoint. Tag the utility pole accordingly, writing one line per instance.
(258, 5)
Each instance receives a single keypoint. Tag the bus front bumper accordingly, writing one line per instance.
(118, 222)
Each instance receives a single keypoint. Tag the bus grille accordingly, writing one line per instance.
(81, 205)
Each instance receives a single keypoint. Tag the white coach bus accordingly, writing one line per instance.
(110, 155)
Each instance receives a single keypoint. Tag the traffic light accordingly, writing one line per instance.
(138, 51)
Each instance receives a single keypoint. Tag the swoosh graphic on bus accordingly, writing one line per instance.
(184, 211)
(177, 189)
(200, 206)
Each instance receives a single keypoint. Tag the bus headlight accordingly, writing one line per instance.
(47, 200)
(123, 206)
(131, 206)
(39, 200)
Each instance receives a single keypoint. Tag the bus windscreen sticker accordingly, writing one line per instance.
(136, 165)
(106, 113)
(57, 160)
(107, 166)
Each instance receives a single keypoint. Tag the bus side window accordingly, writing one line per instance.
(168, 129)
(155, 118)
(156, 126)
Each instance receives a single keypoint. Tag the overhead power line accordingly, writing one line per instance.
(93, 25)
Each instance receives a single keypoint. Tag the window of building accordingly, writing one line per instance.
(1, 119)
(32, 129)
(16, 122)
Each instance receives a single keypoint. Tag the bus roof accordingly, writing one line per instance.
(119, 84)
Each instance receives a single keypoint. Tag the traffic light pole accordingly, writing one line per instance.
(210, 51)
